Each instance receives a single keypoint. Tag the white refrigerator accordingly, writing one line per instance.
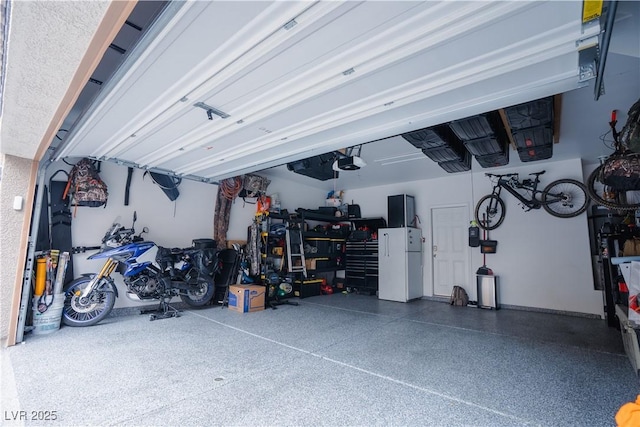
(399, 264)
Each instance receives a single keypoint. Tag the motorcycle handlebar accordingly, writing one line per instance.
(119, 234)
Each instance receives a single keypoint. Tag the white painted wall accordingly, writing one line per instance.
(543, 261)
(171, 224)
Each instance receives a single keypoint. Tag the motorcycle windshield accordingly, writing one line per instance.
(109, 239)
(115, 226)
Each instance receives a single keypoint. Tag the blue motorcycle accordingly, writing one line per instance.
(150, 272)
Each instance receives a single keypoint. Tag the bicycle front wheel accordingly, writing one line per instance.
(490, 212)
(565, 198)
(610, 198)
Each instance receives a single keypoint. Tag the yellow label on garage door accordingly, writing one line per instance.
(591, 9)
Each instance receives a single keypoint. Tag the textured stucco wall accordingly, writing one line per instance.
(47, 40)
(14, 182)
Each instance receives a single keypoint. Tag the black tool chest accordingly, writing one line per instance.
(361, 273)
(361, 269)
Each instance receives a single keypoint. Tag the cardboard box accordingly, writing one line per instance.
(246, 298)
(310, 263)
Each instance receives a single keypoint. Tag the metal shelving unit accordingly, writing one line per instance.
(324, 251)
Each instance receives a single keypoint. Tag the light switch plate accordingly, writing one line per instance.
(17, 203)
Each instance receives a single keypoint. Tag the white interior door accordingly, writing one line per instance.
(449, 228)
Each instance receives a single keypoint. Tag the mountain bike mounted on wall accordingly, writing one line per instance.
(615, 184)
(563, 198)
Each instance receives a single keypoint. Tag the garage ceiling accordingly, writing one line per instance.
(217, 89)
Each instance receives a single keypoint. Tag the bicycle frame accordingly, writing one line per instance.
(562, 198)
(533, 203)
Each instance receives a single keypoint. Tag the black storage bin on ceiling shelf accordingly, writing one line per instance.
(434, 137)
(456, 166)
(485, 146)
(480, 126)
(444, 154)
(318, 167)
(493, 160)
(534, 137)
(530, 114)
(540, 152)
(453, 151)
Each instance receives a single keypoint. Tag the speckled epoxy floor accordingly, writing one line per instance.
(332, 360)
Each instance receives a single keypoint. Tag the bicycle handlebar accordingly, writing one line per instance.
(500, 176)
(512, 174)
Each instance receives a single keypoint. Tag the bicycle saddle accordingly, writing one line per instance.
(537, 173)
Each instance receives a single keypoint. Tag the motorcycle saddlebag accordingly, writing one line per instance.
(206, 261)
(164, 257)
(204, 244)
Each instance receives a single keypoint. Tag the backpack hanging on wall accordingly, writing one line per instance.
(85, 186)
(253, 186)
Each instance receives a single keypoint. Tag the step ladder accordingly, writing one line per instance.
(295, 248)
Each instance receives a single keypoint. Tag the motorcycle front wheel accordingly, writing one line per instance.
(87, 311)
(201, 295)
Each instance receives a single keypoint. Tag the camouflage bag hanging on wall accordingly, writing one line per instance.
(630, 133)
(253, 186)
(622, 172)
(85, 186)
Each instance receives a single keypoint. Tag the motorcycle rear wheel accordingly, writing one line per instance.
(86, 311)
(201, 296)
